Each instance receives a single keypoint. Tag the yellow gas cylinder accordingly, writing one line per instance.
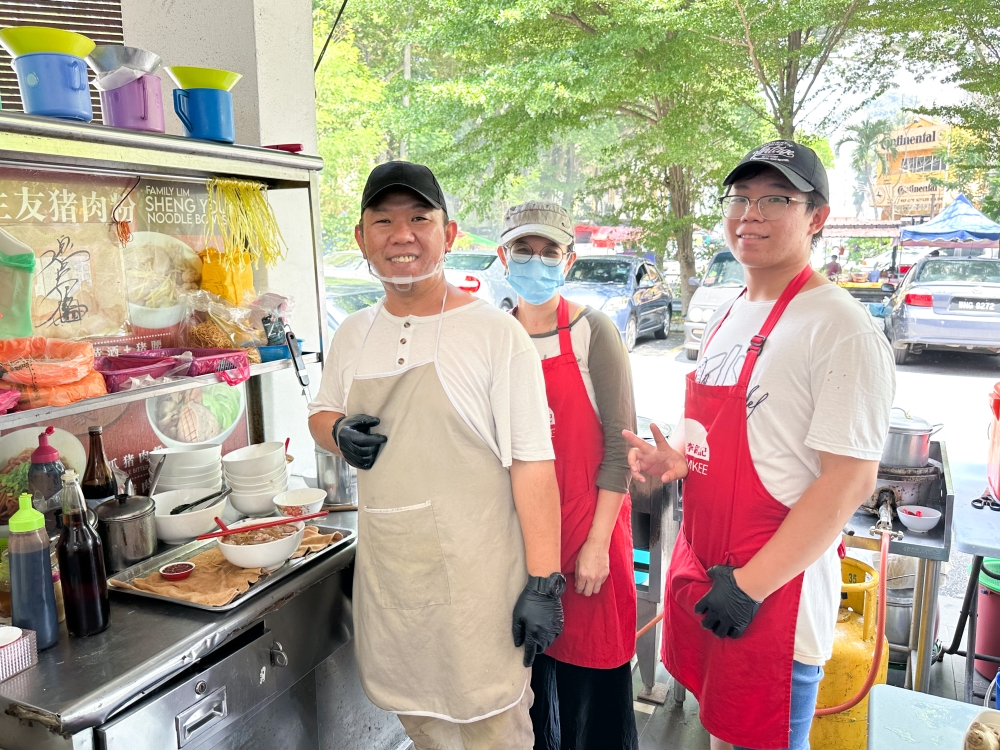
(845, 673)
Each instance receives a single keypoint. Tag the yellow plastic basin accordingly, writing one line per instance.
(187, 77)
(27, 40)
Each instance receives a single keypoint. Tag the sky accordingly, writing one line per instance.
(907, 93)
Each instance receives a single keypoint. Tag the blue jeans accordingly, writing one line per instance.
(805, 686)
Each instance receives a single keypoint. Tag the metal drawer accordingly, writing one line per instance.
(185, 715)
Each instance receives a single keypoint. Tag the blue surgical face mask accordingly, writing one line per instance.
(535, 282)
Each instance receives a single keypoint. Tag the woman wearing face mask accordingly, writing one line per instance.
(583, 682)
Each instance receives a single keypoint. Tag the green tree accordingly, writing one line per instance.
(526, 76)
(873, 147)
(349, 99)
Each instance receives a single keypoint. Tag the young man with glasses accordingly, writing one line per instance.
(583, 682)
(784, 423)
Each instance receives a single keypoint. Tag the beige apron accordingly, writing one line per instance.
(440, 559)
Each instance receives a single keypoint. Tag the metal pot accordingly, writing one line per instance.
(909, 442)
(337, 477)
(127, 530)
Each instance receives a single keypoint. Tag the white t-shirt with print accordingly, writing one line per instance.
(488, 365)
(824, 381)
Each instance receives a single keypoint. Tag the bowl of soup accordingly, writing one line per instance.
(264, 548)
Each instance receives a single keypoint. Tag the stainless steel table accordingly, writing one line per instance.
(977, 532)
(900, 718)
(931, 549)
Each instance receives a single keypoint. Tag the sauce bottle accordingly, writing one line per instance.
(45, 473)
(98, 480)
(33, 600)
(81, 565)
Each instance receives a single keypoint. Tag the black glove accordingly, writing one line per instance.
(728, 609)
(357, 445)
(538, 615)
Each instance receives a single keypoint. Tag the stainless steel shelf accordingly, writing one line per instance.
(48, 143)
(32, 416)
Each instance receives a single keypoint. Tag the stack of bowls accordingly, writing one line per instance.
(188, 467)
(256, 474)
(51, 72)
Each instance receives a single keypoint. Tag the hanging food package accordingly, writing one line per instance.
(158, 270)
(214, 323)
(17, 268)
(231, 283)
(238, 211)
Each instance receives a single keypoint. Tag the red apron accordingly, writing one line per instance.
(743, 685)
(600, 629)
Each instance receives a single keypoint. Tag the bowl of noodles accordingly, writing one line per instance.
(201, 415)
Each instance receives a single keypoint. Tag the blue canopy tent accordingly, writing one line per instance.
(960, 225)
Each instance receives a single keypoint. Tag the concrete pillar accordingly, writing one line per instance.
(270, 42)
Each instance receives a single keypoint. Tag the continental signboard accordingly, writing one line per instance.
(907, 187)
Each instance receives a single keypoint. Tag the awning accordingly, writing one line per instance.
(959, 225)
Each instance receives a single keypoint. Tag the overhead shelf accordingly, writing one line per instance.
(45, 413)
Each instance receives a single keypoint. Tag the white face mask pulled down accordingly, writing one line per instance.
(405, 283)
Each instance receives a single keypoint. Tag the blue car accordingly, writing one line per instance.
(631, 291)
(945, 304)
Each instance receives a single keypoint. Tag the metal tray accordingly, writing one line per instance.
(185, 552)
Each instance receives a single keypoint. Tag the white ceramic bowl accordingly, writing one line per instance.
(255, 503)
(196, 472)
(155, 317)
(186, 456)
(254, 460)
(186, 526)
(169, 487)
(195, 480)
(252, 482)
(269, 555)
(300, 502)
(921, 524)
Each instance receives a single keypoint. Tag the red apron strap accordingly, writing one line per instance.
(757, 342)
(562, 325)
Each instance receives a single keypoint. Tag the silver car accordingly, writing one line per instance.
(481, 274)
(723, 281)
(945, 303)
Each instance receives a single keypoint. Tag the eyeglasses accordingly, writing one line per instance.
(771, 207)
(521, 252)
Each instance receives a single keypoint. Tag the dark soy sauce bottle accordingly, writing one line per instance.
(81, 565)
(98, 479)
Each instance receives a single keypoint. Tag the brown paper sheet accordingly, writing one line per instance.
(215, 582)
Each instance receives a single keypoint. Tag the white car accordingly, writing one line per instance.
(480, 274)
(346, 265)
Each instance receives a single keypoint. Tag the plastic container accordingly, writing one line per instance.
(54, 85)
(33, 600)
(5, 585)
(231, 366)
(118, 371)
(28, 40)
(81, 566)
(988, 623)
(206, 114)
(189, 77)
(135, 106)
(45, 474)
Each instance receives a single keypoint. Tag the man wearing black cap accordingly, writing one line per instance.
(438, 399)
(784, 423)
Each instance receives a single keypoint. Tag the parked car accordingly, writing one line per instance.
(346, 296)
(722, 282)
(945, 303)
(346, 265)
(629, 290)
(481, 274)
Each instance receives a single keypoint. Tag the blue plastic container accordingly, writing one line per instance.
(206, 114)
(54, 85)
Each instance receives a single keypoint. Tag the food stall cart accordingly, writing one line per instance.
(164, 675)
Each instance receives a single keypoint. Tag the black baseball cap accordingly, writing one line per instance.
(407, 176)
(798, 163)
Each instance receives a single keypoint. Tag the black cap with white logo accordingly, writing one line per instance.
(403, 175)
(798, 163)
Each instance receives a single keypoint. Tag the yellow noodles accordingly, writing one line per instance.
(239, 210)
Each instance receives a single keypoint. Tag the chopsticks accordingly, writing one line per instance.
(229, 531)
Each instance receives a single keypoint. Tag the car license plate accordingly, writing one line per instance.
(974, 305)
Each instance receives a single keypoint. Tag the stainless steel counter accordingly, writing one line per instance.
(80, 683)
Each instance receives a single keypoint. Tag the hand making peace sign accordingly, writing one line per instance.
(662, 459)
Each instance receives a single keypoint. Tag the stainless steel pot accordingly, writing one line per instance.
(127, 530)
(337, 477)
(908, 444)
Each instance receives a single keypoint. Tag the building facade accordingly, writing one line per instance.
(906, 189)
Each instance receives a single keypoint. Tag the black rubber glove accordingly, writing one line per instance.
(728, 609)
(357, 445)
(538, 619)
